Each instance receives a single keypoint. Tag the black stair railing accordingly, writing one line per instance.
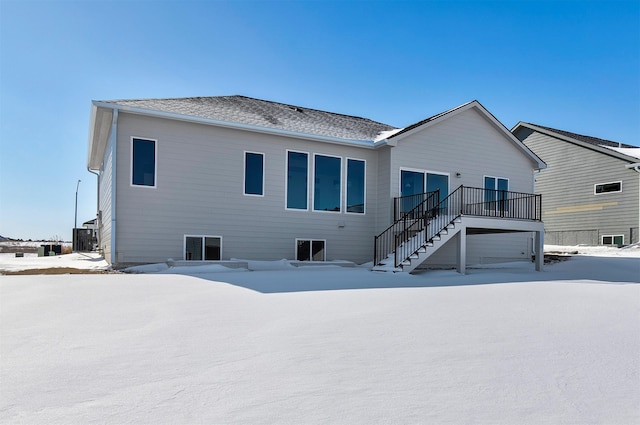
(421, 224)
(410, 223)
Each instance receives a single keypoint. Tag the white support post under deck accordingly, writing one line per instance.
(539, 247)
(462, 250)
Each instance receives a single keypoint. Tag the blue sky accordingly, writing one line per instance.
(570, 65)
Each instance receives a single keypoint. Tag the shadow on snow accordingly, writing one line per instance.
(327, 278)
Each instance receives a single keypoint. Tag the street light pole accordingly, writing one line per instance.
(75, 223)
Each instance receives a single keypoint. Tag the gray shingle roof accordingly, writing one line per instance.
(262, 113)
(587, 139)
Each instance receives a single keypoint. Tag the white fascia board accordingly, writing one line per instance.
(369, 144)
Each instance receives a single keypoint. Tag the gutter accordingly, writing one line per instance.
(114, 186)
(98, 217)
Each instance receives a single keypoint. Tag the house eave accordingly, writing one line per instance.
(99, 128)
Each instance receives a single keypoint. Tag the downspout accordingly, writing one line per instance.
(636, 167)
(98, 218)
(114, 151)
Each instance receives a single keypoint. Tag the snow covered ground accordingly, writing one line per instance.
(312, 345)
(76, 260)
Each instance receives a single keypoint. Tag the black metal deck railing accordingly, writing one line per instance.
(414, 227)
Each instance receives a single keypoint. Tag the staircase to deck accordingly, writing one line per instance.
(419, 232)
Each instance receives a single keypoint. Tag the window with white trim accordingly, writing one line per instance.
(202, 248)
(327, 186)
(611, 187)
(617, 240)
(310, 250)
(356, 172)
(495, 194)
(254, 173)
(297, 180)
(143, 162)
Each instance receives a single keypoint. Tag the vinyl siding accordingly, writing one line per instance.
(200, 192)
(384, 209)
(469, 144)
(106, 174)
(572, 213)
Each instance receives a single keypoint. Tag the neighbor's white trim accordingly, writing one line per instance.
(612, 239)
(605, 193)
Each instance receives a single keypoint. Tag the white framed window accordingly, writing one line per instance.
(355, 186)
(617, 240)
(327, 183)
(495, 194)
(414, 182)
(202, 248)
(144, 155)
(311, 249)
(297, 183)
(253, 173)
(611, 187)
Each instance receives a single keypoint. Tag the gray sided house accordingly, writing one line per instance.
(232, 177)
(591, 188)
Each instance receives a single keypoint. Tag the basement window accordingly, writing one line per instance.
(617, 240)
(607, 187)
(199, 248)
(310, 250)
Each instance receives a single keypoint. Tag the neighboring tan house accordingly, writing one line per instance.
(232, 177)
(591, 188)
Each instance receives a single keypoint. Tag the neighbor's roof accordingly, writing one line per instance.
(263, 113)
(587, 139)
(620, 150)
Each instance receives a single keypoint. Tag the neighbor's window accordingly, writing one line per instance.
(198, 248)
(355, 186)
(326, 184)
(143, 162)
(310, 250)
(253, 173)
(608, 187)
(297, 180)
(617, 240)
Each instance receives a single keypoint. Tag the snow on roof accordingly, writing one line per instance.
(386, 134)
(633, 152)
